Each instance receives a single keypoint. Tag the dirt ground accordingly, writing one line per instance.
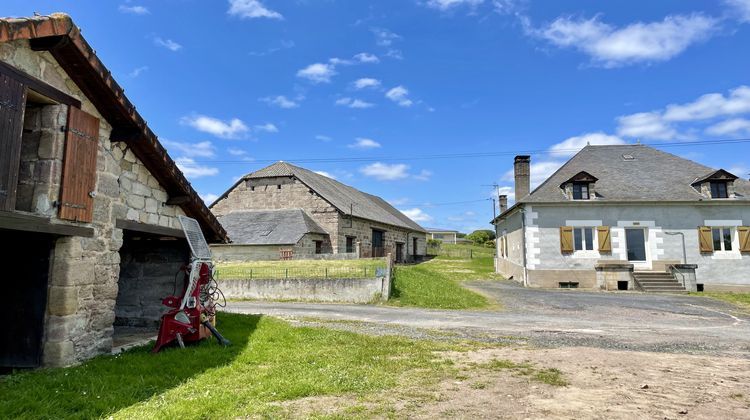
(602, 384)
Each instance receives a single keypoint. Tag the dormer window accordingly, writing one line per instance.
(716, 185)
(719, 189)
(580, 191)
(579, 187)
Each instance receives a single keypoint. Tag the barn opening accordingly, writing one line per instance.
(25, 285)
(151, 268)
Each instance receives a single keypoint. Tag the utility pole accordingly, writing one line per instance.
(497, 192)
(494, 213)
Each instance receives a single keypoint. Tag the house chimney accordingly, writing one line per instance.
(522, 176)
(503, 203)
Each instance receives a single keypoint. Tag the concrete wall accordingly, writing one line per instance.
(314, 290)
(715, 270)
(84, 280)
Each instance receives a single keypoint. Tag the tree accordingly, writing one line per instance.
(480, 237)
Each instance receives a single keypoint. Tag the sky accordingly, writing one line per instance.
(424, 102)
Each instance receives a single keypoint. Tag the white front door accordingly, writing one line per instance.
(636, 243)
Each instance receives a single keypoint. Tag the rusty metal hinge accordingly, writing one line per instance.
(74, 206)
(80, 133)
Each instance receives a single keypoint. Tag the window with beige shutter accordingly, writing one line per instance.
(744, 233)
(605, 242)
(705, 239)
(566, 239)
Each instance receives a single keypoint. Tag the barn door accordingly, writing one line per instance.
(79, 168)
(12, 105)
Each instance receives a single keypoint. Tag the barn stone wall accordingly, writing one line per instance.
(83, 285)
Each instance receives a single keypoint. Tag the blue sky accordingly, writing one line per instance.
(372, 86)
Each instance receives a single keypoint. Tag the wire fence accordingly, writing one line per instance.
(275, 273)
(470, 253)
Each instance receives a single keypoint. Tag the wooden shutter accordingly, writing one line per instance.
(12, 105)
(605, 241)
(566, 239)
(705, 239)
(79, 166)
(744, 234)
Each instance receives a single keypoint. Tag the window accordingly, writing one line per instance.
(722, 238)
(318, 247)
(278, 187)
(583, 239)
(719, 189)
(349, 244)
(580, 191)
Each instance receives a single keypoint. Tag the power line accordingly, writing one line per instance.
(463, 155)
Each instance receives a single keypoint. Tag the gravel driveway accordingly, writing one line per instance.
(548, 318)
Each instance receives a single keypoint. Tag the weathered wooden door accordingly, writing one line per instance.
(79, 167)
(25, 297)
(12, 105)
(378, 244)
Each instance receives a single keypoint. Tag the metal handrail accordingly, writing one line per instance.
(682, 275)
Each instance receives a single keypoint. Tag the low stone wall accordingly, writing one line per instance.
(311, 290)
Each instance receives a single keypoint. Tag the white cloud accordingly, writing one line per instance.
(736, 126)
(417, 215)
(280, 101)
(398, 201)
(741, 8)
(423, 175)
(354, 103)
(399, 95)
(224, 129)
(648, 125)
(444, 5)
(267, 127)
(366, 82)
(639, 42)
(325, 174)
(191, 169)
(133, 10)
(384, 37)
(572, 145)
(167, 43)
(364, 143)
(741, 170)
(385, 171)
(711, 105)
(236, 152)
(318, 72)
(394, 54)
(137, 71)
(209, 198)
(322, 137)
(202, 149)
(367, 58)
(251, 9)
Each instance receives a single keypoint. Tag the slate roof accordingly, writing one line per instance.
(269, 227)
(58, 35)
(341, 196)
(652, 175)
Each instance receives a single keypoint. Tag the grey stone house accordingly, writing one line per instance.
(89, 201)
(350, 217)
(630, 208)
(271, 234)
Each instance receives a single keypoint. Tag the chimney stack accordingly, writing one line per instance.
(503, 203)
(522, 174)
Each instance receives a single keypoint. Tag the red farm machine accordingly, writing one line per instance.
(193, 314)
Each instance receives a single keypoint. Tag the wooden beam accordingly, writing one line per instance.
(39, 86)
(125, 134)
(32, 223)
(178, 200)
(150, 229)
(48, 43)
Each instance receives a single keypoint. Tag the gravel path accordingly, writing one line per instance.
(547, 318)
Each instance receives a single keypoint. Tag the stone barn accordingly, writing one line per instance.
(352, 220)
(89, 201)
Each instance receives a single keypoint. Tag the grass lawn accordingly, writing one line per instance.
(362, 268)
(436, 283)
(269, 362)
(739, 299)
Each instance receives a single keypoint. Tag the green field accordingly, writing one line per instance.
(437, 283)
(741, 300)
(269, 362)
(300, 269)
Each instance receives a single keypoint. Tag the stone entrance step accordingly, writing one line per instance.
(657, 281)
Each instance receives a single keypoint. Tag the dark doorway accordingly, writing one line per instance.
(399, 252)
(636, 244)
(25, 297)
(378, 248)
